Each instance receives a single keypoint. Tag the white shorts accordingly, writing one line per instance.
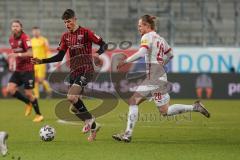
(153, 88)
(165, 98)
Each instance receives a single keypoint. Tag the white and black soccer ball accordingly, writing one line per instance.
(47, 133)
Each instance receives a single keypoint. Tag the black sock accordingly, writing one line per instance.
(83, 113)
(21, 97)
(36, 107)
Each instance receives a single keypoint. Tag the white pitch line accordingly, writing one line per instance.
(68, 122)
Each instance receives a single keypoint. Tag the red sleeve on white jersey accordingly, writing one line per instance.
(167, 51)
(167, 48)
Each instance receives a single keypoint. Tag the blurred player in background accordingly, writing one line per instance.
(78, 41)
(157, 53)
(23, 74)
(40, 49)
(204, 83)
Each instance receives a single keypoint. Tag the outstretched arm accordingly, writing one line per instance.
(28, 53)
(56, 58)
(139, 54)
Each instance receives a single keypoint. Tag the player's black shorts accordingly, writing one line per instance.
(23, 78)
(82, 79)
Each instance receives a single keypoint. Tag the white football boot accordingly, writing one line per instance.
(126, 137)
(3, 143)
(88, 124)
(199, 107)
(93, 132)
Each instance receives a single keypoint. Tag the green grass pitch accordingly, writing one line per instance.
(187, 137)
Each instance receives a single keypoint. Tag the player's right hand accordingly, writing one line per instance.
(36, 61)
(97, 60)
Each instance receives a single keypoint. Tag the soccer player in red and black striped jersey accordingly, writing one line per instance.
(23, 71)
(78, 41)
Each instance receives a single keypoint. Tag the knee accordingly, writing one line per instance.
(29, 95)
(72, 98)
(11, 90)
(163, 110)
(132, 101)
(40, 80)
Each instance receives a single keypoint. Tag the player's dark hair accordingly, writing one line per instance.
(35, 27)
(17, 21)
(69, 13)
(149, 20)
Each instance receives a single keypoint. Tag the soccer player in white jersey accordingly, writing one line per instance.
(157, 53)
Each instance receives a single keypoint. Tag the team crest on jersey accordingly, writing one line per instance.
(28, 43)
(79, 37)
(30, 82)
(19, 43)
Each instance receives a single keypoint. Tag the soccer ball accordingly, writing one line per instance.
(47, 133)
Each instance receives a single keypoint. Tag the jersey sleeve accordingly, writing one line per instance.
(146, 41)
(10, 41)
(26, 42)
(62, 44)
(167, 48)
(167, 52)
(94, 37)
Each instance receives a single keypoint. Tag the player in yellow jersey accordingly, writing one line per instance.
(40, 50)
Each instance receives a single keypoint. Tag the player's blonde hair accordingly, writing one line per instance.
(149, 20)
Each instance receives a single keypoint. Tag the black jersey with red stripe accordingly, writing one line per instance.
(79, 45)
